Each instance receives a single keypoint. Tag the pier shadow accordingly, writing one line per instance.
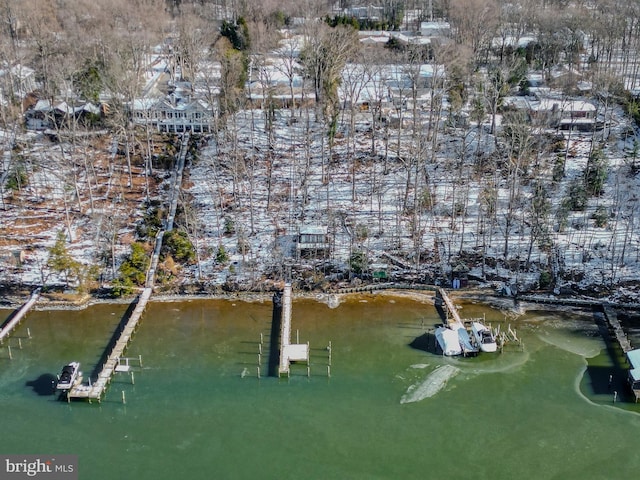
(274, 337)
(426, 343)
(44, 385)
(9, 318)
(113, 340)
(599, 376)
(441, 312)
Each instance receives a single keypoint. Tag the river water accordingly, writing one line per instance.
(391, 408)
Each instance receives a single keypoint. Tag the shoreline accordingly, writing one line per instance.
(422, 293)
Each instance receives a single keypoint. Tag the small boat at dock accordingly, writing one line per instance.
(69, 377)
(468, 348)
(485, 339)
(449, 341)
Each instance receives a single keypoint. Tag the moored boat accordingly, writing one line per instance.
(69, 377)
(448, 341)
(484, 337)
(468, 348)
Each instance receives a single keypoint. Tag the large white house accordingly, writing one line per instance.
(173, 115)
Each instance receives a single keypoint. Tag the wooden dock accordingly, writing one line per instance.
(94, 390)
(612, 319)
(96, 387)
(20, 314)
(289, 352)
(451, 311)
(625, 345)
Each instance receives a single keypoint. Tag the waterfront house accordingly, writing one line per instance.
(565, 114)
(46, 114)
(173, 114)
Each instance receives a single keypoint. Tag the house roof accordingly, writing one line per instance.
(549, 104)
(313, 230)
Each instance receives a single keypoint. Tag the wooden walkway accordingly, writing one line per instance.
(289, 352)
(612, 319)
(96, 389)
(451, 312)
(17, 318)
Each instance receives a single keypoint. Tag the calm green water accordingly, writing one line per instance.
(544, 413)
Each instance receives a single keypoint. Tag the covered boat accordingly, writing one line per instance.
(448, 341)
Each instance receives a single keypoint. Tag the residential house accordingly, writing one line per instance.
(46, 114)
(565, 114)
(173, 114)
(278, 79)
(435, 29)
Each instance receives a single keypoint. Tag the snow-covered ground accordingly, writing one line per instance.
(257, 188)
(421, 214)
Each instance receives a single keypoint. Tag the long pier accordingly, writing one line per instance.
(289, 352)
(20, 314)
(95, 389)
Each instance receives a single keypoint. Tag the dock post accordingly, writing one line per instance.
(20, 343)
(297, 336)
(308, 352)
(260, 338)
(133, 381)
(259, 360)
(258, 370)
(9, 348)
(308, 371)
(124, 400)
(260, 348)
(28, 333)
(329, 371)
(140, 359)
(615, 396)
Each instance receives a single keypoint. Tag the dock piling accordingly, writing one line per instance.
(133, 381)
(28, 333)
(124, 400)
(20, 343)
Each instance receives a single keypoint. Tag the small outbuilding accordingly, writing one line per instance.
(313, 241)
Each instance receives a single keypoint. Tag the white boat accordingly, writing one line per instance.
(449, 341)
(69, 377)
(484, 338)
(468, 348)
